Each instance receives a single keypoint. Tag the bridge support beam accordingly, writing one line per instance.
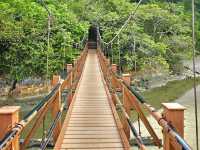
(173, 113)
(56, 105)
(9, 116)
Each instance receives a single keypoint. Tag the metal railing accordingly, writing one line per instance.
(137, 98)
(44, 105)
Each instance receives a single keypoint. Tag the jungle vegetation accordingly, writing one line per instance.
(158, 38)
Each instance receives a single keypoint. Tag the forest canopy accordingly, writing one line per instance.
(158, 38)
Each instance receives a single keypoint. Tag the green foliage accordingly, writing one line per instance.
(161, 31)
(23, 37)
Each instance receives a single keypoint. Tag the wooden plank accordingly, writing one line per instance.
(96, 103)
(91, 107)
(97, 136)
(92, 132)
(93, 149)
(92, 128)
(91, 124)
(94, 113)
(67, 141)
(95, 96)
(91, 121)
(92, 118)
(92, 145)
(101, 116)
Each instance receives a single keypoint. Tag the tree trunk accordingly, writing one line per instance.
(13, 87)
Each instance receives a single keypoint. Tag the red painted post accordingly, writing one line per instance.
(127, 107)
(127, 78)
(78, 66)
(114, 68)
(108, 61)
(69, 98)
(55, 80)
(75, 71)
(69, 67)
(56, 108)
(9, 116)
(174, 114)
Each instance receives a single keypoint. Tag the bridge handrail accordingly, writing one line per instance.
(153, 112)
(18, 128)
(45, 141)
(139, 140)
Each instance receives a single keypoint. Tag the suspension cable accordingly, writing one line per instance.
(111, 52)
(48, 37)
(194, 74)
(118, 43)
(132, 15)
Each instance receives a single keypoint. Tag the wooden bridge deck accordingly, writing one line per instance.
(90, 122)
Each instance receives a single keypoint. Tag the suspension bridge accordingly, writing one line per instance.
(99, 105)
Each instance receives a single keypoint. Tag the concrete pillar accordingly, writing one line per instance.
(174, 114)
(114, 68)
(127, 78)
(9, 116)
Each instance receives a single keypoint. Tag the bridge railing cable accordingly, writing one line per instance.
(131, 16)
(139, 140)
(107, 75)
(44, 105)
(46, 140)
(119, 83)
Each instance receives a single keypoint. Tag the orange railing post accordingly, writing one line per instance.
(126, 104)
(174, 114)
(56, 108)
(69, 67)
(114, 68)
(75, 71)
(108, 61)
(9, 116)
(127, 78)
(69, 100)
